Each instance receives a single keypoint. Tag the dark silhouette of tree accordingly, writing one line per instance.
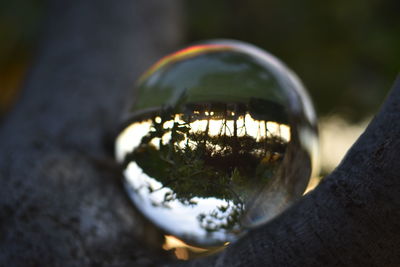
(231, 163)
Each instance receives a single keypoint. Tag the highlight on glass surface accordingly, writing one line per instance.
(220, 138)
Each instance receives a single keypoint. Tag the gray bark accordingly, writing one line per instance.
(351, 219)
(61, 202)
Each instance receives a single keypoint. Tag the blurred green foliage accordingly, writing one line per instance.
(346, 52)
(19, 28)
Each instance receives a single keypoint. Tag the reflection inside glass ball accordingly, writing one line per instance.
(214, 144)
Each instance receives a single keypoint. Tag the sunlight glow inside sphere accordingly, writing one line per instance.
(221, 138)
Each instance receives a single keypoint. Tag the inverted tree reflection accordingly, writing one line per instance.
(213, 151)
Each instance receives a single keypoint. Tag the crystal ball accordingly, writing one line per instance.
(220, 137)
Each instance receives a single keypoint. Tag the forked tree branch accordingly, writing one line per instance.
(60, 200)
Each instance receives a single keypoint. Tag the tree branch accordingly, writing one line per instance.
(351, 219)
(61, 201)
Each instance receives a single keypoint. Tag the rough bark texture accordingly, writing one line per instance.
(60, 200)
(61, 203)
(351, 219)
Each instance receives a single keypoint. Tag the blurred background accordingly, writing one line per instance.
(347, 53)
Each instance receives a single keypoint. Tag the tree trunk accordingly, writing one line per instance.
(61, 202)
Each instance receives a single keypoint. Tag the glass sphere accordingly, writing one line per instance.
(221, 138)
